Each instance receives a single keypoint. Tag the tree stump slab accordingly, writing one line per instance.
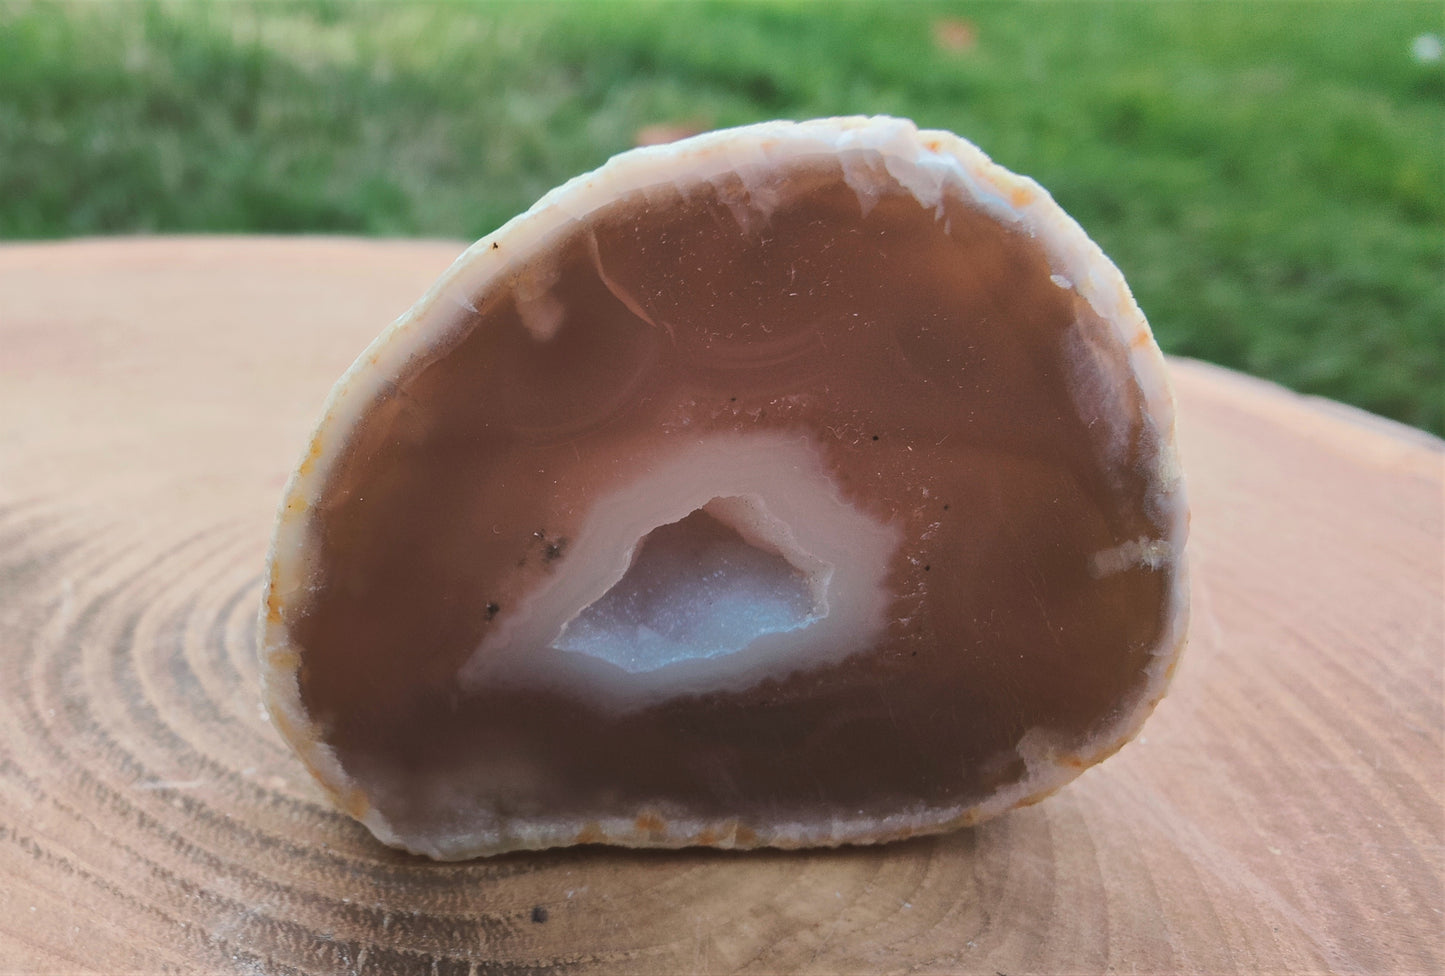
(1282, 811)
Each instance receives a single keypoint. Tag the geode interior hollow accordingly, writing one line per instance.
(797, 484)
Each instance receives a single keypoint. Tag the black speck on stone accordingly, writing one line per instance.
(875, 437)
(539, 914)
(495, 245)
(492, 610)
(553, 550)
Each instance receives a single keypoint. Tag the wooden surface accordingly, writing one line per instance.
(1282, 811)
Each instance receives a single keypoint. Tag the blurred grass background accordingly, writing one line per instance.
(1269, 176)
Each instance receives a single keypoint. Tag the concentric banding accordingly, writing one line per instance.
(927, 165)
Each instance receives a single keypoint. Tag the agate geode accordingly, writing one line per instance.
(791, 485)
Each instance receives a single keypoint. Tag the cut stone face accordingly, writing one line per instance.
(792, 485)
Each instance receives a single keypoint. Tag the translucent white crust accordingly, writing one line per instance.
(922, 162)
(778, 492)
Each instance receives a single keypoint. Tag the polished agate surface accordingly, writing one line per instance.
(774, 507)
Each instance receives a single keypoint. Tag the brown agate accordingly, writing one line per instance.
(791, 485)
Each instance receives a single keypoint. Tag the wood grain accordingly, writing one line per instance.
(1281, 812)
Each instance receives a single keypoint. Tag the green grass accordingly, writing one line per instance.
(1270, 176)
